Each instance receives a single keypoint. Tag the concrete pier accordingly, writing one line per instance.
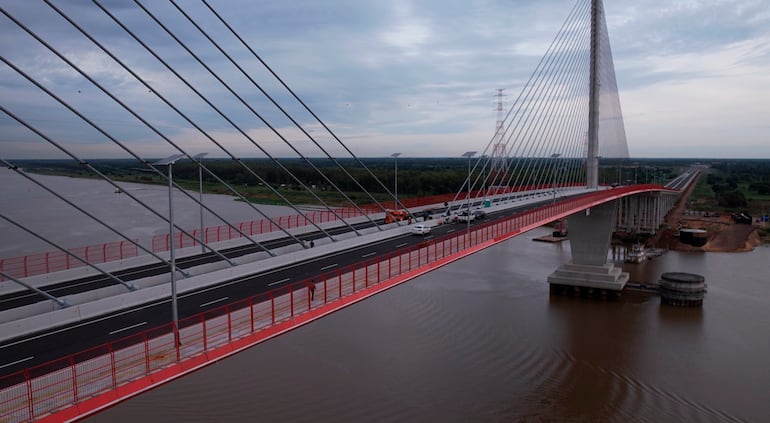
(590, 235)
(644, 213)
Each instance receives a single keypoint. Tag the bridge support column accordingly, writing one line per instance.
(590, 233)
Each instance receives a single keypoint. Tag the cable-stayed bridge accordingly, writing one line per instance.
(540, 164)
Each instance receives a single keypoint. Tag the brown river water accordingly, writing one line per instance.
(482, 339)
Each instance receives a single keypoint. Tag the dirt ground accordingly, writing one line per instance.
(723, 234)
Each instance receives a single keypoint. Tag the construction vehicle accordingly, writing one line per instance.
(395, 215)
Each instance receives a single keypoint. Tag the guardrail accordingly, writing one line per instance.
(38, 391)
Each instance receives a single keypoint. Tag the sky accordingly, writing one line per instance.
(415, 77)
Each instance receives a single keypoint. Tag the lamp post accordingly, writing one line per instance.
(199, 158)
(469, 154)
(395, 163)
(169, 161)
(484, 176)
(636, 167)
(553, 175)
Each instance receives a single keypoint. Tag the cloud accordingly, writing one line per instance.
(394, 75)
(711, 102)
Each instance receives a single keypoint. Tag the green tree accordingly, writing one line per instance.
(731, 199)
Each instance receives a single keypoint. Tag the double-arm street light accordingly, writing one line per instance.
(636, 167)
(554, 156)
(199, 159)
(169, 161)
(395, 163)
(469, 154)
(484, 159)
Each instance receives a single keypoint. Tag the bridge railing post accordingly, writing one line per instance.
(113, 370)
(74, 371)
(251, 314)
(204, 333)
(435, 250)
(272, 307)
(366, 276)
(229, 312)
(291, 301)
(146, 354)
(30, 397)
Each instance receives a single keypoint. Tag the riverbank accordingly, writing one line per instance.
(722, 234)
(721, 237)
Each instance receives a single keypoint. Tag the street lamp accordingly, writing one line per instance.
(469, 154)
(169, 161)
(395, 163)
(484, 176)
(636, 167)
(553, 175)
(199, 158)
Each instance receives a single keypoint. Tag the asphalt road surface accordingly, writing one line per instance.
(32, 350)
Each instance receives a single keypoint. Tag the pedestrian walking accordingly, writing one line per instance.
(311, 286)
(312, 244)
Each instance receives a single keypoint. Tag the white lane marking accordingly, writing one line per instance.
(212, 302)
(182, 295)
(369, 255)
(153, 304)
(128, 328)
(450, 231)
(242, 279)
(277, 282)
(18, 361)
(329, 266)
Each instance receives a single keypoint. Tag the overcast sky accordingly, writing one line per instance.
(417, 77)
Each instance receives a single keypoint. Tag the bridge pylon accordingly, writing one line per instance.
(590, 233)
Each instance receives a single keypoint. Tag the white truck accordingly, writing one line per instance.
(464, 217)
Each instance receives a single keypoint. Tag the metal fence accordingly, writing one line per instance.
(40, 390)
(255, 227)
(54, 261)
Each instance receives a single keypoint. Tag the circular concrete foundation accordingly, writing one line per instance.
(682, 289)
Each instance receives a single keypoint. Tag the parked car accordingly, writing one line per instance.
(479, 214)
(420, 229)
